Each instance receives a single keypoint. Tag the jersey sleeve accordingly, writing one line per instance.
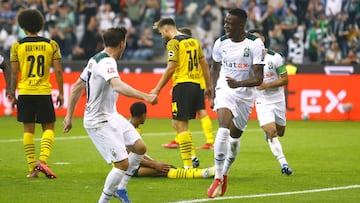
(280, 64)
(259, 52)
(216, 54)
(13, 52)
(172, 48)
(84, 74)
(109, 68)
(55, 46)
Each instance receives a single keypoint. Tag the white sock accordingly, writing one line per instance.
(220, 150)
(233, 150)
(112, 181)
(134, 162)
(276, 149)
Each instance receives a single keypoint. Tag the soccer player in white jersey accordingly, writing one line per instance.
(270, 103)
(110, 132)
(238, 60)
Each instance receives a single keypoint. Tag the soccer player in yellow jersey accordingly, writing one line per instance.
(186, 61)
(205, 120)
(152, 168)
(31, 59)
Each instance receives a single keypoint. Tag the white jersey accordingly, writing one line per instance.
(274, 67)
(101, 98)
(237, 59)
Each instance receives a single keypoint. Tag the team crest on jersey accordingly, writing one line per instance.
(246, 52)
(111, 70)
(270, 65)
(171, 53)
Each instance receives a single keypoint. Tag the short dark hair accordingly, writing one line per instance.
(113, 36)
(31, 20)
(164, 21)
(240, 13)
(137, 109)
(185, 30)
(256, 31)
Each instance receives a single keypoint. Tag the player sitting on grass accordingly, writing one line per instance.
(152, 168)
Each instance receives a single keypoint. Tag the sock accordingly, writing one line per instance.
(220, 150)
(186, 147)
(276, 149)
(193, 153)
(29, 147)
(233, 151)
(134, 163)
(207, 129)
(46, 145)
(185, 173)
(208, 172)
(112, 181)
(189, 173)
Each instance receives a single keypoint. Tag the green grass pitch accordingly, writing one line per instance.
(323, 155)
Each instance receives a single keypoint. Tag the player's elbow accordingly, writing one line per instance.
(259, 81)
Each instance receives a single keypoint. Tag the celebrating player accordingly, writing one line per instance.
(270, 103)
(238, 60)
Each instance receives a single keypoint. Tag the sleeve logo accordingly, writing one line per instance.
(111, 70)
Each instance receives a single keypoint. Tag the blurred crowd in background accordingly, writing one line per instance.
(303, 31)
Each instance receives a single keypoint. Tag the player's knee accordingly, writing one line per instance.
(122, 165)
(139, 147)
(271, 132)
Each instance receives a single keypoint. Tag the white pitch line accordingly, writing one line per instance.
(86, 137)
(270, 194)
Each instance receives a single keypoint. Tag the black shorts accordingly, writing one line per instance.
(35, 108)
(187, 99)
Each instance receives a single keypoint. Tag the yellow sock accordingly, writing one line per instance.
(29, 147)
(207, 127)
(192, 148)
(185, 173)
(46, 145)
(186, 146)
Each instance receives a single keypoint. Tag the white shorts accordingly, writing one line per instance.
(112, 138)
(239, 108)
(269, 113)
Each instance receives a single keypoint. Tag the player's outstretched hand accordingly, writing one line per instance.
(152, 99)
(162, 167)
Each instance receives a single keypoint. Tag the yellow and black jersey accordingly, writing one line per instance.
(187, 52)
(35, 56)
(138, 130)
